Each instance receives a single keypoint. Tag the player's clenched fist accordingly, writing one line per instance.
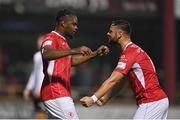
(83, 50)
(87, 101)
(103, 50)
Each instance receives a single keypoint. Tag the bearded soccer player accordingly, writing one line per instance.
(134, 62)
(58, 58)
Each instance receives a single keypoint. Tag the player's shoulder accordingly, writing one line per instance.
(50, 36)
(133, 50)
(133, 46)
(54, 36)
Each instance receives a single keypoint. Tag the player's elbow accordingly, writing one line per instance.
(46, 56)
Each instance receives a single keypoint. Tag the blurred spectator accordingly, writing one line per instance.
(32, 90)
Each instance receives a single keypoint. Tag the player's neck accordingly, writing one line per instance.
(124, 43)
(60, 31)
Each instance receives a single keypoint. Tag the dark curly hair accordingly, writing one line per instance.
(62, 13)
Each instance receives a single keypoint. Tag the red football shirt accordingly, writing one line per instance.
(142, 75)
(56, 81)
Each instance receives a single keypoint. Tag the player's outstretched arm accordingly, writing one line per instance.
(52, 54)
(105, 88)
(111, 93)
(81, 58)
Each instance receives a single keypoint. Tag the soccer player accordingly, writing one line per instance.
(58, 58)
(33, 87)
(134, 62)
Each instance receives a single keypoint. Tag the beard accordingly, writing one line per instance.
(112, 42)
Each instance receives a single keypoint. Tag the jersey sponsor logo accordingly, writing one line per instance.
(121, 65)
(48, 42)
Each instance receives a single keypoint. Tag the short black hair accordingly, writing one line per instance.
(62, 13)
(123, 25)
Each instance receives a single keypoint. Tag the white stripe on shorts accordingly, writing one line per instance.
(62, 108)
(153, 110)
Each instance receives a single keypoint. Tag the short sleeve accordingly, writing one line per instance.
(125, 63)
(49, 42)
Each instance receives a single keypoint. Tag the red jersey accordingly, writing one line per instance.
(56, 81)
(142, 75)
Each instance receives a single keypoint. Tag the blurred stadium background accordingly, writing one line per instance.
(156, 27)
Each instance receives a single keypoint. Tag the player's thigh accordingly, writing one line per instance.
(153, 110)
(62, 108)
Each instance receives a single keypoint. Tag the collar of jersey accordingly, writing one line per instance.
(59, 35)
(127, 45)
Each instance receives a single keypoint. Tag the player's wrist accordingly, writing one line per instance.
(94, 98)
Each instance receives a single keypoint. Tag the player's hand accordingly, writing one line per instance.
(85, 51)
(102, 50)
(36, 94)
(26, 94)
(87, 101)
(102, 101)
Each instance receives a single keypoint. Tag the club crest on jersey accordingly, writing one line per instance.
(121, 65)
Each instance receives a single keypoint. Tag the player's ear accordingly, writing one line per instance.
(119, 34)
(62, 23)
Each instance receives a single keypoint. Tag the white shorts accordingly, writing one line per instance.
(62, 108)
(153, 110)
